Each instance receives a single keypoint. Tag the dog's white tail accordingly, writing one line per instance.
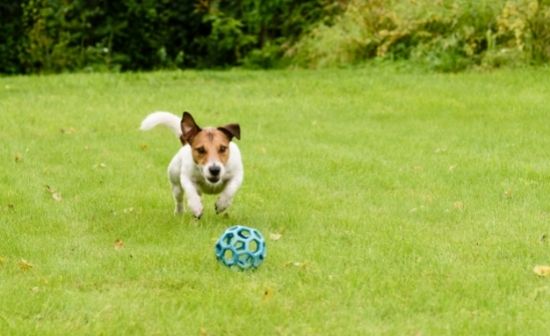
(162, 118)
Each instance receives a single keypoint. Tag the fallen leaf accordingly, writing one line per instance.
(543, 238)
(18, 157)
(452, 168)
(11, 206)
(268, 294)
(128, 210)
(458, 205)
(542, 271)
(69, 130)
(297, 264)
(275, 236)
(508, 193)
(203, 331)
(55, 194)
(119, 244)
(144, 147)
(25, 265)
(35, 289)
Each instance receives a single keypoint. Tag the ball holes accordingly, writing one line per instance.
(228, 256)
(253, 245)
(244, 260)
(228, 238)
(244, 233)
(239, 245)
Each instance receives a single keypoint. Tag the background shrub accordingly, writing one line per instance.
(445, 35)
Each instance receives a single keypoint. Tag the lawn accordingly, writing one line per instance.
(407, 203)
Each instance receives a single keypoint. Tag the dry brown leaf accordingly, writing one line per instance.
(508, 193)
(268, 294)
(25, 265)
(128, 210)
(18, 157)
(275, 236)
(458, 205)
(144, 147)
(119, 244)
(56, 195)
(203, 331)
(297, 264)
(69, 130)
(542, 270)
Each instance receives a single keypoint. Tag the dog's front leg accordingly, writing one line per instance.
(224, 201)
(193, 198)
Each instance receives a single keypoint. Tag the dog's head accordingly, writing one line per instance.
(209, 146)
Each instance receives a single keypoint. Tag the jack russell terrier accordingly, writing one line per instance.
(209, 162)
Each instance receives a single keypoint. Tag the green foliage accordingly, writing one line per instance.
(60, 35)
(11, 31)
(444, 35)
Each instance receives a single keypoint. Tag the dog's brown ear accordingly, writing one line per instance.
(231, 130)
(189, 128)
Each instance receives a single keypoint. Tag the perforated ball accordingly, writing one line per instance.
(242, 247)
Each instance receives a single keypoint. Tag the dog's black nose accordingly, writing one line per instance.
(214, 170)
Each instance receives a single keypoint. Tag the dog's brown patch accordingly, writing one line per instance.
(210, 144)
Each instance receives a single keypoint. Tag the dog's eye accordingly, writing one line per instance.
(223, 149)
(201, 150)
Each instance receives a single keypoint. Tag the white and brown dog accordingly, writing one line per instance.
(209, 162)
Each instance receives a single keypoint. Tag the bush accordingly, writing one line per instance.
(63, 35)
(444, 35)
(127, 35)
(11, 31)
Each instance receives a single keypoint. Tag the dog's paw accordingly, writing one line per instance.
(222, 205)
(197, 213)
(196, 209)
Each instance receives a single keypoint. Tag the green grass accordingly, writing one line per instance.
(408, 204)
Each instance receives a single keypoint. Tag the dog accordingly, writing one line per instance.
(209, 161)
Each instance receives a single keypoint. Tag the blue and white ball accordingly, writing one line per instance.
(241, 246)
